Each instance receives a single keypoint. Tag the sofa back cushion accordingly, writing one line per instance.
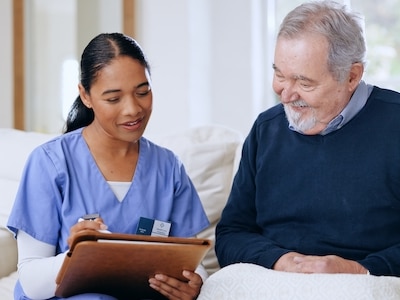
(210, 155)
(15, 147)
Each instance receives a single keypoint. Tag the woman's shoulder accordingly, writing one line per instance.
(60, 144)
(65, 139)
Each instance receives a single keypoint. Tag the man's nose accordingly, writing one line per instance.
(289, 94)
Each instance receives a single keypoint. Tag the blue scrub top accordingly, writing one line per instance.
(61, 182)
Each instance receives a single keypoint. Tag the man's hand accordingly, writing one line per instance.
(175, 289)
(299, 263)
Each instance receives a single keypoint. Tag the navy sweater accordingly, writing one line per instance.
(318, 195)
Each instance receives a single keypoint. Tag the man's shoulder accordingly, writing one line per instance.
(385, 95)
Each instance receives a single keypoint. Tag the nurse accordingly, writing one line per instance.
(102, 165)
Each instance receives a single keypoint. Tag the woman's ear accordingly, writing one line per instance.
(84, 96)
(355, 75)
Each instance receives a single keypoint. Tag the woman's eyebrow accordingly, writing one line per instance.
(110, 91)
(118, 90)
(142, 84)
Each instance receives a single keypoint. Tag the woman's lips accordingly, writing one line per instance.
(133, 124)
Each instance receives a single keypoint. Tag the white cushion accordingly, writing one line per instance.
(16, 145)
(8, 190)
(210, 156)
(252, 282)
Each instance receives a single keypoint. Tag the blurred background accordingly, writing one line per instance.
(211, 59)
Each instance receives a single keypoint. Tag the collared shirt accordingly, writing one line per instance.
(356, 103)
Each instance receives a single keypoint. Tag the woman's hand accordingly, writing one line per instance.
(175, 289)
(96, 224)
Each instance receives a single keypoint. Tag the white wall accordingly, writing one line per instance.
(57, 33)
(207, 59)
(6, 64)
(206, 62)
(50, 41)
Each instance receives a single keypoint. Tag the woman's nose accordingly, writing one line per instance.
(132, 106)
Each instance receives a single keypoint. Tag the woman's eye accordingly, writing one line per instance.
(143, 92)
(112, 99)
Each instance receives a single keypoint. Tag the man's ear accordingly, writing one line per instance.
(84, 96)
(355, 75)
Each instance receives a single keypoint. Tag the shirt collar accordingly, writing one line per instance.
(356, 103)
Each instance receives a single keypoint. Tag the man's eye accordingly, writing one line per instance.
(279, 76)
(306, 87)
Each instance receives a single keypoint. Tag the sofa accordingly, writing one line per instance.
(210, 154)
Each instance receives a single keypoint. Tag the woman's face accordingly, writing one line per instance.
(121, 99)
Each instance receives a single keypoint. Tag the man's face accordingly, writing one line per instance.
(310, 94)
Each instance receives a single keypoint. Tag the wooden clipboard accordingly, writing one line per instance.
(121, 264)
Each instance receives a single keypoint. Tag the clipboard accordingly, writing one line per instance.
(120, 265)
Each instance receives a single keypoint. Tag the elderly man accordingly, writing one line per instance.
(318, 186)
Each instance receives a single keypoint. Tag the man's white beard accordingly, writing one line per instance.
(295, 120)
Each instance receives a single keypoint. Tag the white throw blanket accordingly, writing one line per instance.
(248, 281)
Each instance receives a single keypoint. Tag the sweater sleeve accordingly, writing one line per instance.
(384, 262)
(238, 236)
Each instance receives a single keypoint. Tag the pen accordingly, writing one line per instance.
(92, 217)
(89, 217)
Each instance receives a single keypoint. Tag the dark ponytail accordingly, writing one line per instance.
(79, 116)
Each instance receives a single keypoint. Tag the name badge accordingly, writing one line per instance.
(153, 227)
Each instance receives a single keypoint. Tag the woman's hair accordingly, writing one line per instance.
(99, 53)
(342, 28)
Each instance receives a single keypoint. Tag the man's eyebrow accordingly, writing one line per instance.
(303, 78)
(297, 77)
